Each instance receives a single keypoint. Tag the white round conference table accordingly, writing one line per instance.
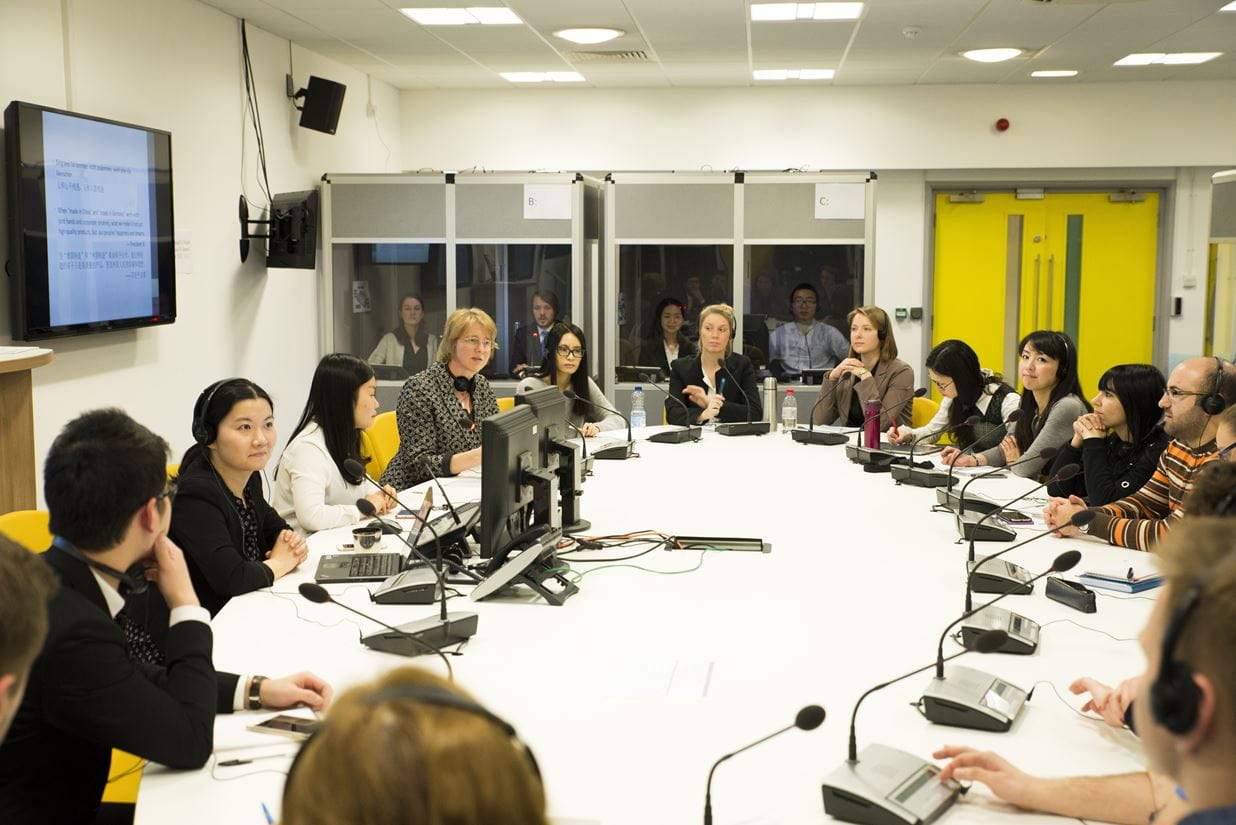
(629, 691)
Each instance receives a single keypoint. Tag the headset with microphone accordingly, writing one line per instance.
(132, 582)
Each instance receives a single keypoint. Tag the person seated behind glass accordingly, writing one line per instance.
(567, 369)
(717, 383)
(1119, 444)
(1050, 402)
(967, 390)
(805, 343)
(313, 489)
(407, 345)
(665, 341)
(232, 538)
(529, 347)
(763, 297)
(469, 767)
(1188, 731)
(440, 410)
(871, 372)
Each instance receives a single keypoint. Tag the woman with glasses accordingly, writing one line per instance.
(566, 367)
(967, 390)
(439, 411)
(1119, 444)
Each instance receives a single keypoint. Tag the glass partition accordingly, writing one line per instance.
(525, 287)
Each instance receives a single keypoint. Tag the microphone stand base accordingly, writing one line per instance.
(867, 455)
(887, 786)
(970, 530)
(1023, 633)
(578, 526)
(999, 576)
(458, 627)
(743, 428)
(918, 476)
(618, 452)
(677, 436)
(969, 698)
(819, 437)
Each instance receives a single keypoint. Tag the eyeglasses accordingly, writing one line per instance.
(570, 352)
(803, 302)
(478, 343)
(1175, 393)
(169, 492)
(942, 385)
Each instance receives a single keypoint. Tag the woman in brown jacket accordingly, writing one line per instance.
(872, 372)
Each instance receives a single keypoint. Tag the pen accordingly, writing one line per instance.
(270, 820)
(1130, 576)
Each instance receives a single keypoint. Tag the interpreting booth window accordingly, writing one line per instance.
(525, 288)
(679, 280)
(397, 296)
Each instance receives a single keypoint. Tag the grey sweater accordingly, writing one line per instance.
(595, 414)
(1055, 432)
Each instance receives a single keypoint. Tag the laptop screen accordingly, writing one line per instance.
(421, 517)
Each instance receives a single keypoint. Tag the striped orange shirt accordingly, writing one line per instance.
(1139, 520)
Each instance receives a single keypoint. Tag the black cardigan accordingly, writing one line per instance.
(652, 354)
(1111, 468)
(206, 526)
(85, 696)
(741, 373)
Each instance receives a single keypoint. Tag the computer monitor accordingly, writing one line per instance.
(558, 451)
(515, 484)
(550, 406)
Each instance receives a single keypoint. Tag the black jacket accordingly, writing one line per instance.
(737, 373)
(526, 346)
(1111, 469)
(207, 527)
(85, 697)
(652, 354)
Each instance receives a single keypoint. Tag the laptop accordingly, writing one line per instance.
(344, 568)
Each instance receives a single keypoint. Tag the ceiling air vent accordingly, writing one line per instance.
(593, 56)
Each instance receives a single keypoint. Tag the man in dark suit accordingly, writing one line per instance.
(27, 585)
(528, 348)
(90, 689)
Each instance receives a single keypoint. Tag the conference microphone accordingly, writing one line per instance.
(870, 456)
(975, 530)
(809, 718)
(990, 439)
(1047, 453)
(927, 479)
(618, 451)
(1014, 580)
(748, 427)
(689, 432)
(317, 593)
(447, 629)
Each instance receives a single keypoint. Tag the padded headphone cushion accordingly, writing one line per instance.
(1174, 698)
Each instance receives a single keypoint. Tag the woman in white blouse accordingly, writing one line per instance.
(313, 489)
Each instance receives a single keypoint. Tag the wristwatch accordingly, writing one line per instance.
(1085, 528)
(255, 693)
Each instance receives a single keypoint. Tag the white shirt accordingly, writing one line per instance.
(671, 353)
(820, 347)
(310, 493)
(939, 421)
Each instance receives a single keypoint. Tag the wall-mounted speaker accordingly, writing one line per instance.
(322, 103)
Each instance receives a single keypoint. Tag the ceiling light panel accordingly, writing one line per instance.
(1229, 7)
(474, 15)
(773, 12)
(1054, 73)
(543, 77)
(793, 74)
(589, 35)
(991, 55)
(1161, 59)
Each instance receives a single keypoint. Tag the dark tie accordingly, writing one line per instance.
(137, 642)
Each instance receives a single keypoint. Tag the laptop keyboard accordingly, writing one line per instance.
(375, 564)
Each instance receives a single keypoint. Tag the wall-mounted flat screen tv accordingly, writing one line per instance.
(90, 223)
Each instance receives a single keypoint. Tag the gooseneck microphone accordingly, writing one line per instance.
(1047, 453)
(627, 452)
(990, 641)
(1066, 472)
(1065, 561)
(722, 365)
(809, 718)
(689, 432)
(1079, 519)
(972, 421)
(990, 439)
(318, 594)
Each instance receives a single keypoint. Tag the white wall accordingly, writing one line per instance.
(1171, 134)
(175, 65)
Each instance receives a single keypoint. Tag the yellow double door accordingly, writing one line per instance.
(1083, 263)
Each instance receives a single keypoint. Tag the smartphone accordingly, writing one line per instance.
(405, 513)
(295, 727)
(1016, 518)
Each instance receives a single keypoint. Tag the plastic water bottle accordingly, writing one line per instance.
(789, 411)
(638, 417)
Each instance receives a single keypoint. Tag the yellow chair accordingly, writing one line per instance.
(29, 528)
(505, 404)
(922, 411)
(380, 442)
(173, 470)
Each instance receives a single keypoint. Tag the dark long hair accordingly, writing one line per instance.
(655, 334)
(401, 334)
(957, 361)
(331, 405)
(218, 400)
(549, 367)
(1058, 346)
(1138, 387)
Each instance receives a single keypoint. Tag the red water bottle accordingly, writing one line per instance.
(871, 424)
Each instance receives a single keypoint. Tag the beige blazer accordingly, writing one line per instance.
(892, 383)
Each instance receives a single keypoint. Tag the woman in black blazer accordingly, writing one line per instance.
(665, 342)
(233, 540)
(1119, 444)
(716, 384)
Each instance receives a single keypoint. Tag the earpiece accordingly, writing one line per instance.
(132, 582)
(1215, 403)
(201, 432)
(1173, 694)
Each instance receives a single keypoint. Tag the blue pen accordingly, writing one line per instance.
(270, 820)
(721, 385)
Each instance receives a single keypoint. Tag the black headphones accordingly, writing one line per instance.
(132, 582)
(201, 431)
(1173, 694)
(882, 333)
(438, 697)
(1215, 403)
(461, 383)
